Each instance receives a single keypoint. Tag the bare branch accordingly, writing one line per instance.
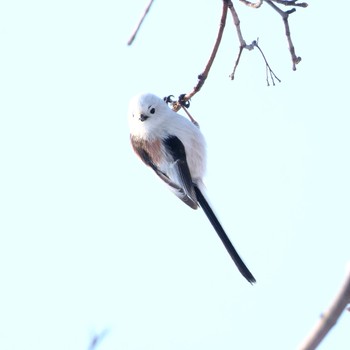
(132, 38)
(203, 76)
(285, 14)
(330, 317)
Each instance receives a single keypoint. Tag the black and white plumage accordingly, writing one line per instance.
(175, 149)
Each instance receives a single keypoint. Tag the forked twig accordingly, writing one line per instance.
(285, 14)
(244, 45)
(133, 36)
(242, 42)
(269, 71)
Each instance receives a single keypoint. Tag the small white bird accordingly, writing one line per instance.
(175, 149)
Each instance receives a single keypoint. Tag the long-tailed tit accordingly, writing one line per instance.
(175, 149)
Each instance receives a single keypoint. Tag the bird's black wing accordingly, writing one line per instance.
(179, 171)
(178, 175)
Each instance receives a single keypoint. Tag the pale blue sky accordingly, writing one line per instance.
(91, 240)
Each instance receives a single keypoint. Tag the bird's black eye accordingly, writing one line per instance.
(152, 110)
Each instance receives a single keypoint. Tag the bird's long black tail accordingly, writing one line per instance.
(223, 236)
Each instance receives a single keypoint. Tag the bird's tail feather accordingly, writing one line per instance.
(223, 236)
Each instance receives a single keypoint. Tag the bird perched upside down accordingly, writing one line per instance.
(175, 149)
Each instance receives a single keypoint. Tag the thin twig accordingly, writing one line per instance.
(232, 75)
(269, 71)
(190, 116)
(330, 317)
(285, 14)
(132, 38)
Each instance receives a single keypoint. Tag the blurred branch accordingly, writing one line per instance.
(133, 36)
(330, 317)
(252, 4)
(96, 339)
(291, 3)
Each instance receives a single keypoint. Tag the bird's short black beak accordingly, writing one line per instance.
(143, 117)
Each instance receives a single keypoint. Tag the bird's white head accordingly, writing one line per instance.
(147, 113)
